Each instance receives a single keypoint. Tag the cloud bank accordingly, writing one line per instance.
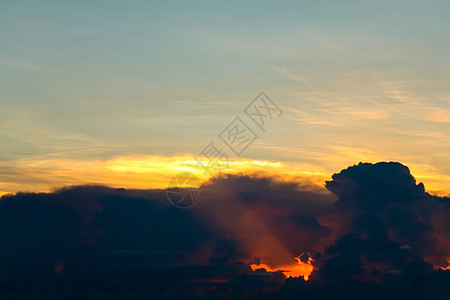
(376, 231)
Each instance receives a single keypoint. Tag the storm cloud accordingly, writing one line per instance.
(372, 228)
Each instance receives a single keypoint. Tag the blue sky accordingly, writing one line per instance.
(357, 81)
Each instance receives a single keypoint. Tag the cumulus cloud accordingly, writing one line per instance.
(374, 228)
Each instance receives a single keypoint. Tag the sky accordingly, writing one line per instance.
(127, 93)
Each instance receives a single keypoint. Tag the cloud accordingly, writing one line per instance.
(376, 228)
(271, 222)
(380, 209)
(440, 116)
(138, 171)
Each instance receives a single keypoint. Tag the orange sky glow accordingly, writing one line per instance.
(299, 269)
(155, 171)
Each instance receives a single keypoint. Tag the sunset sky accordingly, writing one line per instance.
(126, 94)
(225, 149)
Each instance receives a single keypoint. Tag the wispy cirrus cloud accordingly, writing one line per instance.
(439, 116)
(17, 64)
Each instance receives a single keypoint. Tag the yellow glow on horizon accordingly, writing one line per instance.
(155, 171)
(142, 172)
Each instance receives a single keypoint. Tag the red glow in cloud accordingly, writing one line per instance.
(447, 267)
(293, 270)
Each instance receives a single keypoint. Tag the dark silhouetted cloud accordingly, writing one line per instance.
(377, 234)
